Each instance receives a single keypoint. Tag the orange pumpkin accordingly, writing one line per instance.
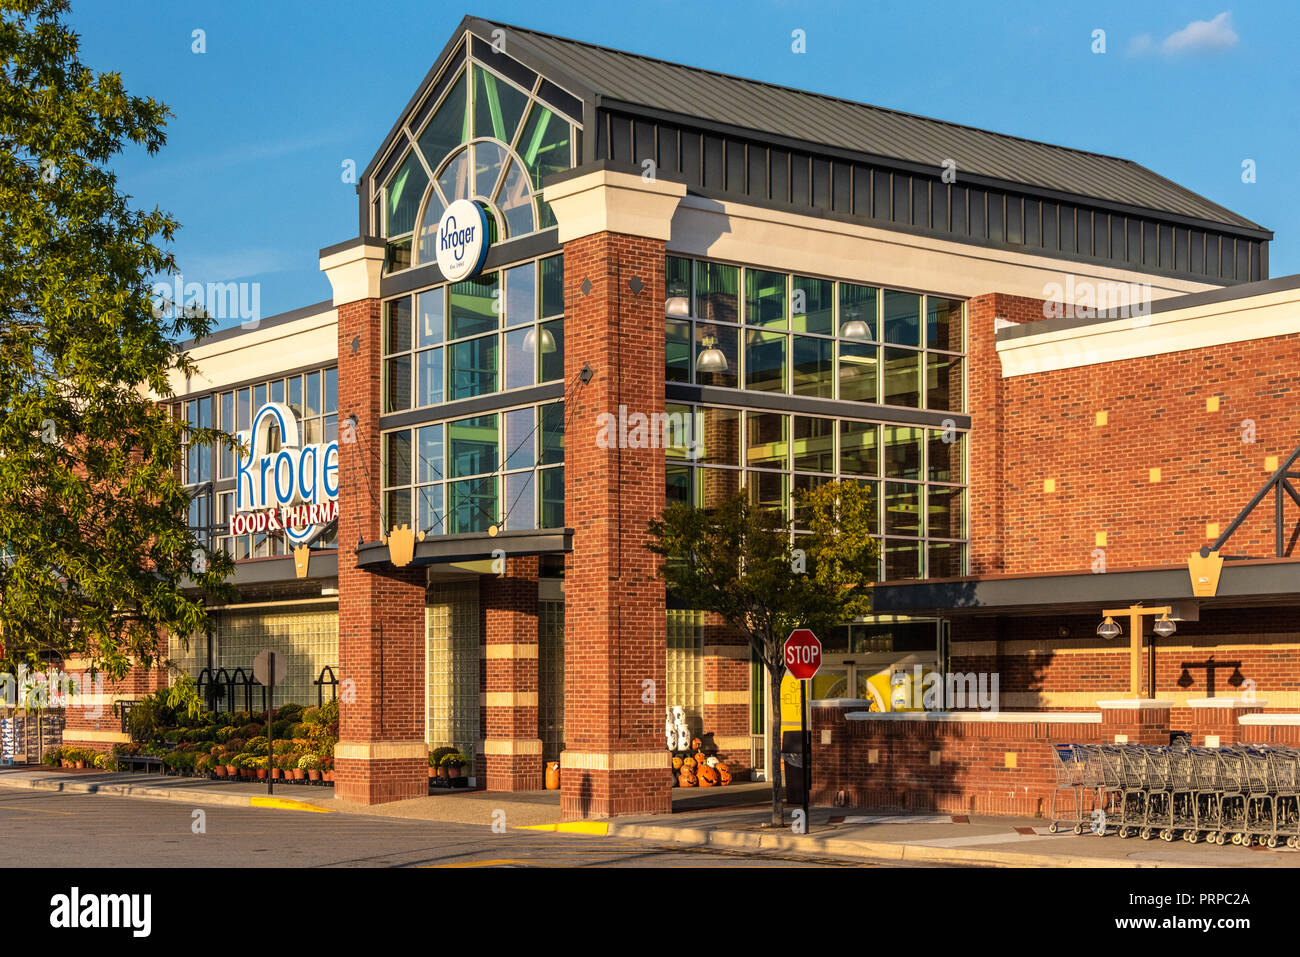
(687, 778)
(677, 763)
(708, 776)
(696, 744)
(689, 763)
(724, 776)
(700, 757)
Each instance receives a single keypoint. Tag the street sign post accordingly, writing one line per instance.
(268, 668)
(803, 659)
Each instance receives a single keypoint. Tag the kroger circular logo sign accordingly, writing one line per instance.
(462, 240)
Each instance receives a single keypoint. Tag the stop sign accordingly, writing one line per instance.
(803, 654)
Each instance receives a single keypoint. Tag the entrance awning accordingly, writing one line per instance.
(440, 549)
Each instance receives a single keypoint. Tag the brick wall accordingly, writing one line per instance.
(513, 749)
(381, 614)
(1031, 428)
(615, 626)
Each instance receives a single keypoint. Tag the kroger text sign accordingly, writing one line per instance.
(293, 489)
(462, 240)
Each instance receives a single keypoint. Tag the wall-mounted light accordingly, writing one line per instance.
(1108, 629)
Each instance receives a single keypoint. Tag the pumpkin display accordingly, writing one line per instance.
(696, 744)
(724, 776)
(700, 757)
(708, 776)
(677, 764)
(689, 763)
(711, 761)
(687, 778)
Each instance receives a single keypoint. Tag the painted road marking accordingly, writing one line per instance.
(498, 863)
(287, 804)
(570, 827)
(34, 810)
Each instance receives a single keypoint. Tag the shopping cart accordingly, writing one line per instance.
(1069, 762)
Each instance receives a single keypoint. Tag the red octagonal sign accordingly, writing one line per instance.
(803, 654)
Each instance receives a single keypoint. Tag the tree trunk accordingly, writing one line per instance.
(774, 745)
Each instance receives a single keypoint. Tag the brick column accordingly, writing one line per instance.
(1215, 721)
(1135, 721)
(511, 746)
(613, 226)
(381, 755)
(987, 405)
(727, 695)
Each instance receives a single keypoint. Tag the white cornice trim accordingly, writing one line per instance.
(1264, 316)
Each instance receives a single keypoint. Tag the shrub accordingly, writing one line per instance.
(255, 745)
(203, 763)
(311, 716)
(309, 762)
(288, 712)
(225, 733)
(329, 713)
(282, 747)
(251, 730)
(52, 757)
(298, 731)
(280, 729)
(436, 756)
(235, 745)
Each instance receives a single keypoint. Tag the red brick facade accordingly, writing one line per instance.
(615, 615)
(381, 613)
(513, 749)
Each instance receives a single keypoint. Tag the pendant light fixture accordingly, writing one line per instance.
(711, 358)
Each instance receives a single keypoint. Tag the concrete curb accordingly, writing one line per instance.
(185, 796)
(866, 850)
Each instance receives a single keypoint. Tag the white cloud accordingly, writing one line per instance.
(1216, 34)
(1197, 36)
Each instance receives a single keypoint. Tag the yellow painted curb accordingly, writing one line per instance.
(570, 827)
(287, 804)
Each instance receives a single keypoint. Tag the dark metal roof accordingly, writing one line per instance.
(632, 80)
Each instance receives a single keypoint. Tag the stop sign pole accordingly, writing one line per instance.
(803, 659)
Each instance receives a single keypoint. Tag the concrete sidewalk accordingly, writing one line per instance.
(734, 818)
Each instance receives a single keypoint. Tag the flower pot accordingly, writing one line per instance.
(219, 770)
(313, 775)
(299, 774)
(276, 774)
(261, 774)
(442, 771)
(433, 773)
(232, 771)
(328, 776)
(64, 763)
(81, 765)
(456, 771)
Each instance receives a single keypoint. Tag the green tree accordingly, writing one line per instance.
(742, 563)
(93, 512)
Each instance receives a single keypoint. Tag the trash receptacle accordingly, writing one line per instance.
(792, 758)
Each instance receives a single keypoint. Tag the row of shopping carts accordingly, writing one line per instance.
(1245, 794)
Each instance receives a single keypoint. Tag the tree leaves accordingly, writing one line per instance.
(93, 511)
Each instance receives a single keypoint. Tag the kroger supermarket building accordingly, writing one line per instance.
(1062, 375)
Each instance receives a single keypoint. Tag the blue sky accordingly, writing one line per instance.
(287, 91)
